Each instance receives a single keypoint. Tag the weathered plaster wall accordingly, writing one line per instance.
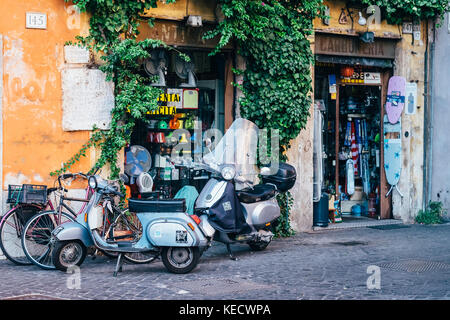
(300, 155)
(183, 8)
(34, 142)
(411, 63)
(440, 173)
(381, 30)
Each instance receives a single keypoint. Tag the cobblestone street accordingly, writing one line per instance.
(413, 262)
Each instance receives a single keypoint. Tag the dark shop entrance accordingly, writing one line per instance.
(349, 178)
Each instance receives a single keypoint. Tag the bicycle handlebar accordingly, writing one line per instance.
(65, 176)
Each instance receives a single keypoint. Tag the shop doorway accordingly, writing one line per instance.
(349, 179)
(193, 101)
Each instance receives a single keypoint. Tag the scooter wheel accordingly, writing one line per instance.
(67, 254)
(180, 259)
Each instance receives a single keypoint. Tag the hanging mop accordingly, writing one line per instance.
(365, 170)
(349, 165)
(354, 151)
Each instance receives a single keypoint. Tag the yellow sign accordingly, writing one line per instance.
(168, 104)
(169, 97)
(163, 110)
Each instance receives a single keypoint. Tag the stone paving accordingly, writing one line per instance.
(412, 263)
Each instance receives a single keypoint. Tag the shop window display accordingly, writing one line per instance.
(192, 101)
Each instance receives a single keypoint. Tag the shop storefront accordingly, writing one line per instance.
(351, 82)
(194, 100)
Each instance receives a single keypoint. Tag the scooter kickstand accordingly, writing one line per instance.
(230, 253)
(118, 265)
(94, 256)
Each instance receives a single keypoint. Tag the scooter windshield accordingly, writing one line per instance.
(238, 147)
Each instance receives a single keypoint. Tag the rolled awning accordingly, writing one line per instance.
(371, 62)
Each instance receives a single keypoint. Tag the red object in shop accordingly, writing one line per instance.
(372, 205)
(347, 71)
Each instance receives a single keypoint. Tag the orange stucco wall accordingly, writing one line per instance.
(34, 143)
(33, 140)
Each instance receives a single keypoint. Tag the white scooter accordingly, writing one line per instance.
(224, 211)
(230, 214)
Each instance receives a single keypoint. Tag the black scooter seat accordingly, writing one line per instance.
(157, 205)
(260, 192)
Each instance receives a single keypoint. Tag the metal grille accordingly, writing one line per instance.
(221, 286)
(389, 227)
(416, 266)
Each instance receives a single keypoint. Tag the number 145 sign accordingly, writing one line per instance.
(36, 20)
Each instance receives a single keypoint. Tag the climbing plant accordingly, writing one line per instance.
(273, 38)
(397, 11)
(271, 35)
(113, 30)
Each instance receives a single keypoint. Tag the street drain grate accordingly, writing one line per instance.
(350, 243)
(36, 296)
(416, 266)
(389, 227)
(221, 286)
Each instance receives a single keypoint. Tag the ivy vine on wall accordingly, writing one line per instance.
(113, 31)
(398, 11)
(272, 36)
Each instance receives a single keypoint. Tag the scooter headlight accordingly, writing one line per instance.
(92, 182)
(228, 172)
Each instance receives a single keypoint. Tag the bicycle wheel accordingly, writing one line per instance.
(11, 229)
(36, 237)
(128, 226)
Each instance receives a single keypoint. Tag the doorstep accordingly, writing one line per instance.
(349, 221)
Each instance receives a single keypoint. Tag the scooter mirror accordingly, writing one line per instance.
(265, 171)
(208, 142)
(240, 179)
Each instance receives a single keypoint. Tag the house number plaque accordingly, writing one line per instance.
(36, 20)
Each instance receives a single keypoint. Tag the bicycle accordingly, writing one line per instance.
(36, 238)
(36, 235)
(23, 208)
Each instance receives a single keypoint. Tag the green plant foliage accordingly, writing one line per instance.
(112, 20)
(272, 36)
(397, 11)
(433, 214)
(283, 229)
(113, 28)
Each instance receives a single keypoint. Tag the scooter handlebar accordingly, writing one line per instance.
(113, 190)
(120, 194)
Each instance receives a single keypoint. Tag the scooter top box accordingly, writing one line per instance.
(157, 205)
(284, 179)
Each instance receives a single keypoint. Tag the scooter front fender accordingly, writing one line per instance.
(73, 231)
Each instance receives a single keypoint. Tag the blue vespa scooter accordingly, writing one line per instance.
(167, 232)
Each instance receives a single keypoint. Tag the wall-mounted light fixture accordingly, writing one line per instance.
(361, 21)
